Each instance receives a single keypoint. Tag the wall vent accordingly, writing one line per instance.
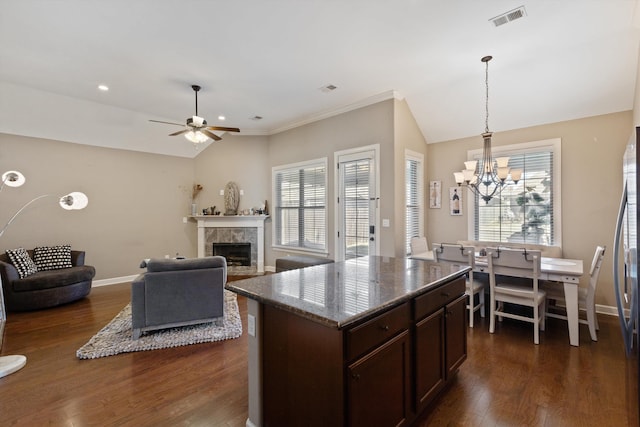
(509, 16)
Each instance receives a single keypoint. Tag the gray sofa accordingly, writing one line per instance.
(47, 288)
(178, 292)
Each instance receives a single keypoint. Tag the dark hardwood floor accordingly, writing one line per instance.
(506, 380)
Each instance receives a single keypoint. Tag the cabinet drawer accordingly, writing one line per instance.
(377, 330)
(439, 297)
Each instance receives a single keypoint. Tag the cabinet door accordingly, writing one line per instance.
(429, 359)
(378, 385)
(456, 334)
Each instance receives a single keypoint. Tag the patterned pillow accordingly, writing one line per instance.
(52, 257)
(22, 262)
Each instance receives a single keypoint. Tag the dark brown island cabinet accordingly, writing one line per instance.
(366, 342)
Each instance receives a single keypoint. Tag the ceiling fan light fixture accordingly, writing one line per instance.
(196, 137)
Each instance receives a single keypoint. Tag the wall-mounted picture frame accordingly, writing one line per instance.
(455, 201)
(435, 194)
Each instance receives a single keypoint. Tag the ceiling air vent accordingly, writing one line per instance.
(328, 88)
(507, 17)
(256, 118)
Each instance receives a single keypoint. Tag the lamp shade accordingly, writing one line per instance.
(13, 179)
(74, 201)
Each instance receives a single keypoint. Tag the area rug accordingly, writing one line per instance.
(116, 337)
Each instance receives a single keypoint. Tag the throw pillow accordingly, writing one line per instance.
(22, 262)
(52, 257)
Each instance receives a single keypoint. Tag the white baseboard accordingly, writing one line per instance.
(608, 310)
(113, 281)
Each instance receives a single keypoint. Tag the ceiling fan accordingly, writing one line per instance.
(196, 129)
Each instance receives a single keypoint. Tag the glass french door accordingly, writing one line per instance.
(356, 205)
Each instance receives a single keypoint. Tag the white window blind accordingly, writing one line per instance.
(524, 212)
(356, 207)
(299, 210)
(414, 199)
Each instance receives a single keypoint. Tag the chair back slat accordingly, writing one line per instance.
(596, 264)
(514, 262)
(454, 253)
(419, 245)
(597, 261)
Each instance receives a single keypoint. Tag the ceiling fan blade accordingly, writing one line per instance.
(180, 132)
(222, 128)
(211, 135)
(167, 123)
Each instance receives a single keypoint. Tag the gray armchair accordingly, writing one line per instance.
(178, 292)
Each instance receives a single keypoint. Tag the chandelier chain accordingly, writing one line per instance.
(486, 104)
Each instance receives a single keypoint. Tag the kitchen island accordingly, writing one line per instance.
(368, 341)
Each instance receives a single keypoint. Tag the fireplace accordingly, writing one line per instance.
(233, 229)
(236, 254)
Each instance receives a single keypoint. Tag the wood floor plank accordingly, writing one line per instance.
(506, 380)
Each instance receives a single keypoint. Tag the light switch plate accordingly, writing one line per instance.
(385, 222)
(222, 192)
(251, 325)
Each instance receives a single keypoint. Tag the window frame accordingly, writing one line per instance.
(293, 167)
(555, 146)
(410, 155)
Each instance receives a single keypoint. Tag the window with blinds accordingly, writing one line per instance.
(300, 201)
(414, 199)
(526, 212)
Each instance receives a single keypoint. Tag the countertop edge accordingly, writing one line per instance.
(357, 318)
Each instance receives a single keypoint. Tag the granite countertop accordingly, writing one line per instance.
(343, 293)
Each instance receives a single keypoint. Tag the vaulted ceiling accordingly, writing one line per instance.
(274, 59)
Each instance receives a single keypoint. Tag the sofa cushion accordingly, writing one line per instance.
(22, 262)
(52, 257)
(54, 278)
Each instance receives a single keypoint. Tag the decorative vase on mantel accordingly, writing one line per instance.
(194, 209)
(231, 198)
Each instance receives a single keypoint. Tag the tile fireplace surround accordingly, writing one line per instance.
(233, 229)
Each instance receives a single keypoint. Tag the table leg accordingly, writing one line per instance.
(571, 299)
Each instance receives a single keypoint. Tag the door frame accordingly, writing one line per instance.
(353, 152)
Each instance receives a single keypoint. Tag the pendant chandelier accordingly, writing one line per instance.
(487, 179)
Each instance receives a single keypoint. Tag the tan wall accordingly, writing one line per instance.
(136, 202)
(365, 126)
(236, 158)
(407, 137)
(592, 150)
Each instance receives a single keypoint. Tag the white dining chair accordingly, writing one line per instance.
(420, 249)
(586, 296)
(505, 266)
(456, 255)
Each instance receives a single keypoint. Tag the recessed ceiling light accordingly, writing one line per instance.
(222, 118)
(103, 88)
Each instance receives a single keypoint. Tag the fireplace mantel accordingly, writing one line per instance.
(229, 221)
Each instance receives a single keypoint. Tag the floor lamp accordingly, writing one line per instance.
(72, 201)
